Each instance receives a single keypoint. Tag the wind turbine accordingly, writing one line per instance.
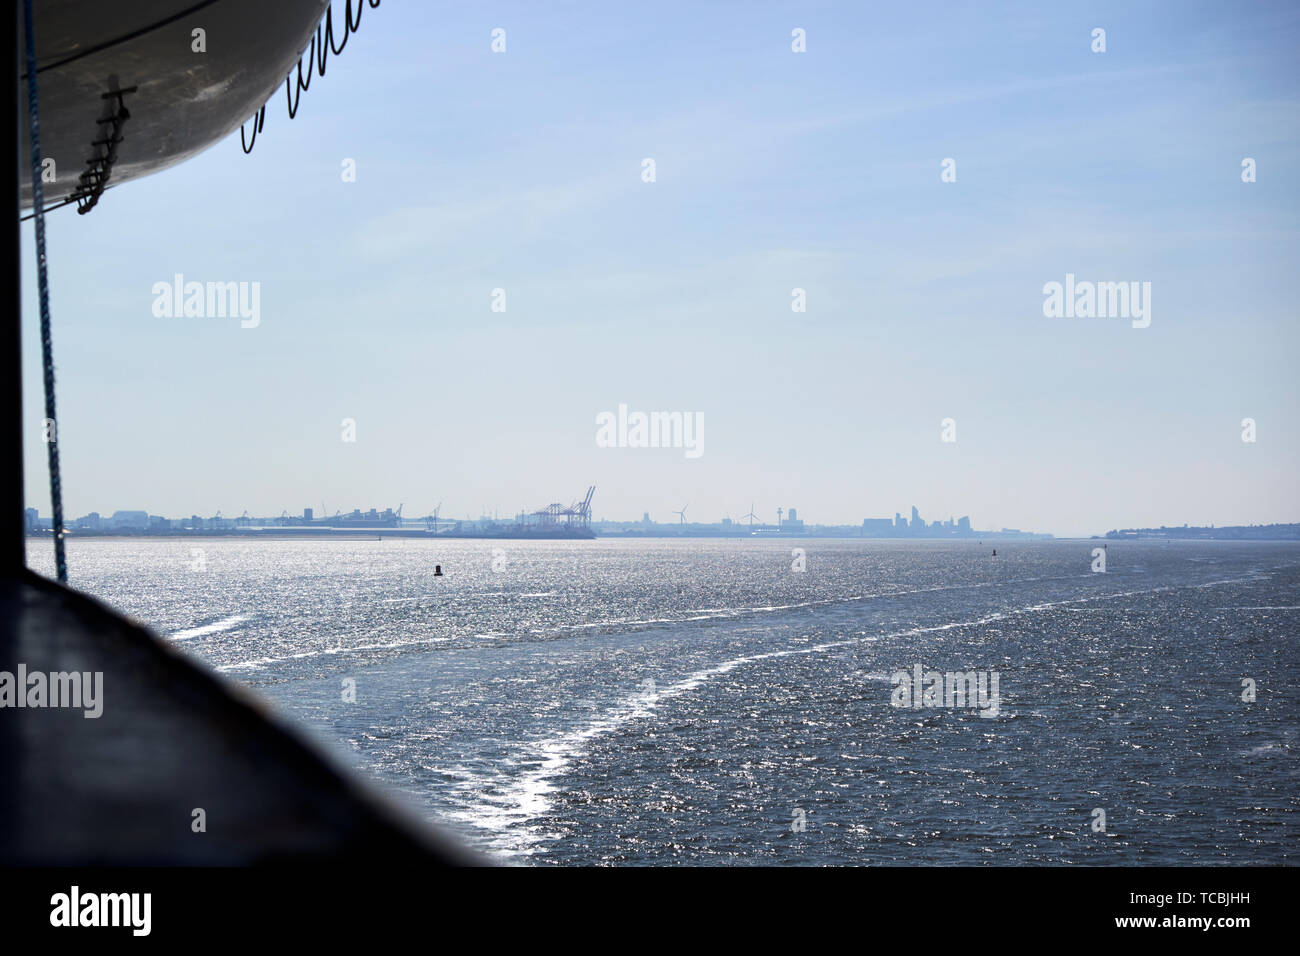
(682, 514)
(751, 516)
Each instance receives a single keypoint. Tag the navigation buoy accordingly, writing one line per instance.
(995, 552)
(437, 570)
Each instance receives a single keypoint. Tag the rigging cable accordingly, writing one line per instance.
(47, 347)
(317, 56)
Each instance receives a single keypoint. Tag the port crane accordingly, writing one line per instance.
(583, 511)
(578, 513)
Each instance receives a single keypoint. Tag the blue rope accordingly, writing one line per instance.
(47, 347)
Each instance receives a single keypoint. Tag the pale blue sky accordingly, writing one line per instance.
(774, 170)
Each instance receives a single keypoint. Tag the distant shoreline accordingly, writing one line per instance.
(392, 534)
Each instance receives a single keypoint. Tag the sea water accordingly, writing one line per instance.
(703, 701)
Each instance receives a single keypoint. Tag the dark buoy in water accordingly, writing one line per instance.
(995, 552)
(437, 570)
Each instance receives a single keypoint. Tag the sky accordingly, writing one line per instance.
(774, 171)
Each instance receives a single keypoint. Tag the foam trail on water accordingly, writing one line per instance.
(216, 627)
(508, 807)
